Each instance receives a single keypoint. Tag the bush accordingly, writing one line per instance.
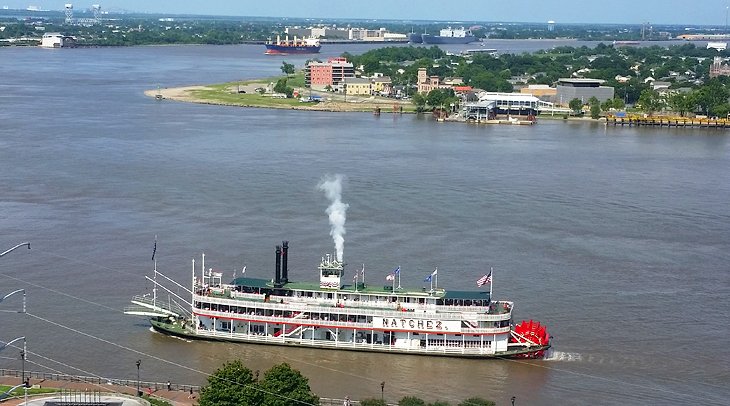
(411, 401)
(477, 402)
(372, 402)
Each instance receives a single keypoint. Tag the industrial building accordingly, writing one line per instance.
(57, 40)
(582, 89)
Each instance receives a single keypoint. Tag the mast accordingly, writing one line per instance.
(154, 279)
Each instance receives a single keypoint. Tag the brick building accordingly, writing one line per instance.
(319, 75)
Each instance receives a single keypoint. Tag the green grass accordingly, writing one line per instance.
(156, 401)
(219, 94)
(20, 392)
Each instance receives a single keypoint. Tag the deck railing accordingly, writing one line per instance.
(336, 323)
(431, 349)
(471, 314)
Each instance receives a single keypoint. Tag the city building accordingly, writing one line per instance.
(320, 75)
(513, 103)
(582, 89)
(719, 68)
(382, 85)
(544, 92)
(357, 86)
(57, 40)
(427, 83)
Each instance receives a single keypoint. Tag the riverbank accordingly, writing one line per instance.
(245, 94)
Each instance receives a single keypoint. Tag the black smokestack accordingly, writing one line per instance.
(277, 277)
(284, 262)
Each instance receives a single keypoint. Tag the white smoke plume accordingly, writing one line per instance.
(332, 187)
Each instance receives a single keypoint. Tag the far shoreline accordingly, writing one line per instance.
(244, 94)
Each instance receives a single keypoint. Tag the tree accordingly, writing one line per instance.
(477, 402)
(650, 101)
(411, 401)
(287, 68)
(595, 107)
(618, 104)
(281, 87)
(682, 102)
(438, 97)
(712, 95)
(419, 101)
(576, 105)
(231, 385)
(607, 105)
(283, 386)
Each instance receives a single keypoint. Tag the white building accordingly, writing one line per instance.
(57, 40)
(514, 103)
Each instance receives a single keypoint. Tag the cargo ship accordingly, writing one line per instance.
(415, 37)
(340, 311)
(287, 47)
(450, 36)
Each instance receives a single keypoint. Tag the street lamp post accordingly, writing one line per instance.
(25, 382)
(15, 248)
(382, 391)
(139, 362)
(23, 351)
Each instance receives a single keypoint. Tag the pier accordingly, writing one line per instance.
(677, 122)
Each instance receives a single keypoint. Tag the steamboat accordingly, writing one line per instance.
(340, 313)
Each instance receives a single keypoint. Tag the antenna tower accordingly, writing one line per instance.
(69, 10)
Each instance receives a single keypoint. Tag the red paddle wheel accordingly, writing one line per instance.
(533, 332)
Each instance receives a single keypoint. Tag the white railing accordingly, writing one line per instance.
(347, 344)
(336, 323)
(361, 304)
(470, 314)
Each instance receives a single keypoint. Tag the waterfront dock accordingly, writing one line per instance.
(677, 122)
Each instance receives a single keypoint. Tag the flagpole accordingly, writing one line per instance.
(399, 277)
(363, 274)
(491, 282)
(437, 278)
(154, 288)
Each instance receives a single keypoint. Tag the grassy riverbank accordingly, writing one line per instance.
(245, 94)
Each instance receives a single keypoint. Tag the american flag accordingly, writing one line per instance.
(390, 277)
(485, 279)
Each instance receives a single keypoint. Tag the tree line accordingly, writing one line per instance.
(631, 71)
(235, 385)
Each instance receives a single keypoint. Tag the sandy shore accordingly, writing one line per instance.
(176, 93)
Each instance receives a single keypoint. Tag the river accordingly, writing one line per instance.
(618, 239)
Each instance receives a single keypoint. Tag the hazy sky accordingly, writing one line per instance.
(704, 12)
